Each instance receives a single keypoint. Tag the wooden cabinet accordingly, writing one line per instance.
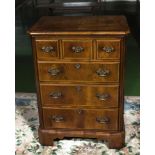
(79, 65)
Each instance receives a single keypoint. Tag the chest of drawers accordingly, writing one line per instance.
(79, 65)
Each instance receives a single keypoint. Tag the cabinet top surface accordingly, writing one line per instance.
(101, 25)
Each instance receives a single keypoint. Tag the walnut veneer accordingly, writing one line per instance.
(79, 65)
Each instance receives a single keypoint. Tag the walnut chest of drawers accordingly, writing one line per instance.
(79, 65)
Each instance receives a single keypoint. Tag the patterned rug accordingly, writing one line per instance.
(27, 136)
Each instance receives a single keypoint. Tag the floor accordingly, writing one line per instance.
(27, 136)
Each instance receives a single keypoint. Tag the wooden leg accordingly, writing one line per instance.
(116, 140)
(45, 138)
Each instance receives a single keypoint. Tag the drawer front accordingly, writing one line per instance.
(107, 72)
(47, 49)
(77, 49)
(81, 118)
(59, 118)
(52, 95)
(101, 119)
(103, 96)
(108, 49)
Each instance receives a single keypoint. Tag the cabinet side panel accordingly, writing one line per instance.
(37, 82)
(121, 93)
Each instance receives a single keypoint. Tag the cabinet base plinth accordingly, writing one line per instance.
(112, 139)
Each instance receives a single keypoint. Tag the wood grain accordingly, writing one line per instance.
(108, 43)
(68, 53)
(112, 139)
(70, 118)
(86, 72)
(79, 95)
(45, 55)
(87, 25)
(72, 87)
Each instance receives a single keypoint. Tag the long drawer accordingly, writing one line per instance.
(81, 118)
(103, 96)
(81, 72)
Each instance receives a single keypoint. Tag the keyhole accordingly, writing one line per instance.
(79, 111)
(77, 66)
(78, 88)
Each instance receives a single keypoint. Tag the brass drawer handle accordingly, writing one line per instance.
(54, 71)
(108, 49)
(103, 97)
(103, 120)
(55, 95)
(102, 72)
(77, 49)
(57, 118)
(47, 49)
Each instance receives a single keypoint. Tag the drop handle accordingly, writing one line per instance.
(77, 49)
(57, 118)
(103, 97)
(102, 72)
(55, 95)
(108, 49)
(47, 49)
(54, 71)
(103, 120)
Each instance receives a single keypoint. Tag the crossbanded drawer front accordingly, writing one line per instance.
(98, 119)
(108, 48)
(102, 96)
(80, 72)
(77, 49)
(47, 49)
(101, 119)
(59, 118)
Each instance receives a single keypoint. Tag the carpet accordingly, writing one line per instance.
(27, 137)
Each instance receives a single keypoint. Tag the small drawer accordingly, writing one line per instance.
(47, 49)
(59, 118)
(87, 119)
(80, 72)
(106, 119)
(77, 49)
(98, 96)
(91, 96)
(60, 95)
(108, 49)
